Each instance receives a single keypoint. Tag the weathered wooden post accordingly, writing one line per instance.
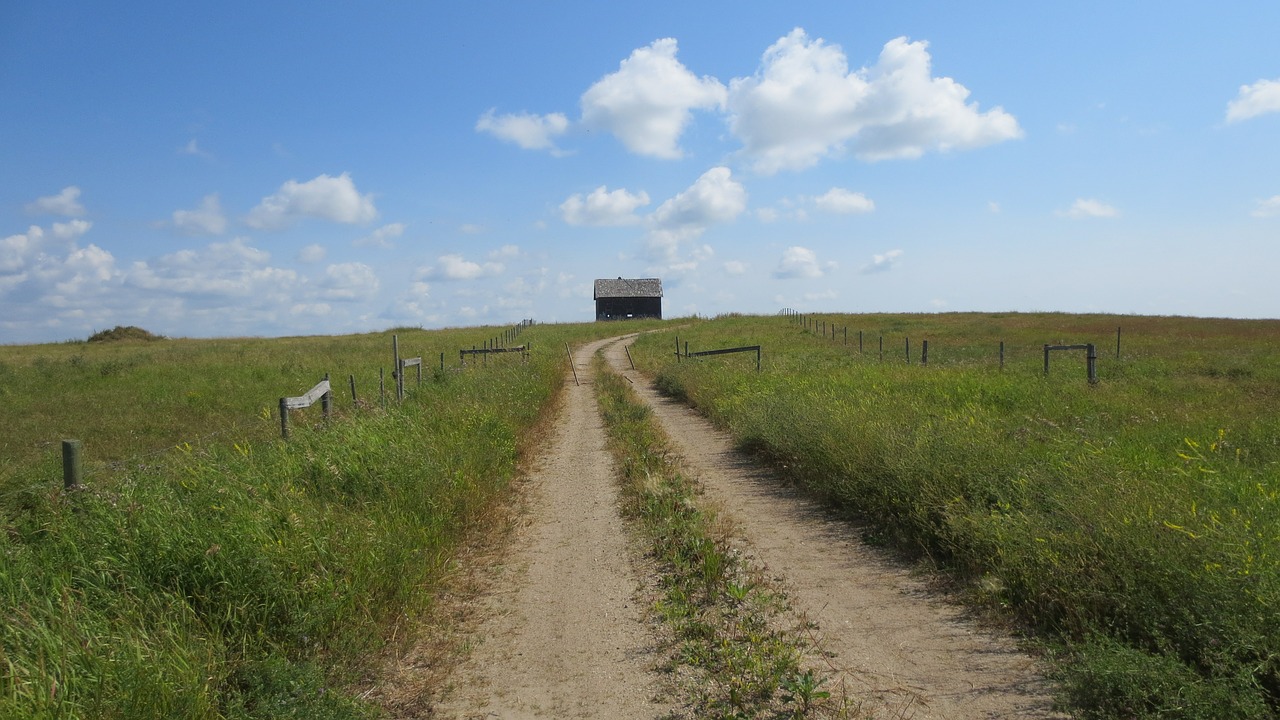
(72, 464)
(571, 366)
(1046, 358)
(633, 362)
(1001, 354)
(908, 346)
(284, 419)
(859, 342)
(395, 352)
(1092, 363)
(677, 348)
(382, 386)
(353, 389)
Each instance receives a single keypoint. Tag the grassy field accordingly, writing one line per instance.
(209, 569)
(1133, 525)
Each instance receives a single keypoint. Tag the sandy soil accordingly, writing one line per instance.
(894, 643)
(562, 634)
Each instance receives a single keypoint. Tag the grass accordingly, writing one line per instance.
(209, 569)
(738, 654)
(1134, 525)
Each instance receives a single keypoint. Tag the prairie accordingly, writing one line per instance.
(1133, 526)
(208, 569)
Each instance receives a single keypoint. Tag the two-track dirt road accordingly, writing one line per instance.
(561, 633)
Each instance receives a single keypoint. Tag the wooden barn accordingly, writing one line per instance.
(622, 299)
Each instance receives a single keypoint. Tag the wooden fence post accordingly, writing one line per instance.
(908, 346)
(1117, 342)
(353, 389)
(1046, 358)
(72, 464)
(284, 419)
(395, 352)
(1092, 362)
(1002, 355)
(924, 352)
(571, 367)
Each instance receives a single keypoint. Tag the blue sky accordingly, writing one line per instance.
(312, 168)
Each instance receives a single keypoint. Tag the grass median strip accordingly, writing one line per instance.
(736, 649)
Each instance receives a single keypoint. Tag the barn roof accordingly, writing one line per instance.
(623, 288)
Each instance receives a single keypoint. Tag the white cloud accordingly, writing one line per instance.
(1267, 208)
(330, 198)
(16, 250)
(1089, 208)
(714, 198)
(804, 104)
(312, 254)
(382, 236)
(208, 219)
(71, 230)
(64, 203)
(801, 262)
(1253, 100)
(222, 270)
(882, 263)
(602, 207)
(767, 214)
(531, 132)
(349, 281)
(456, 267)
(647, 103)
(839, 200)
(735, 267)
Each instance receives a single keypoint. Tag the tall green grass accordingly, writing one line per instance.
(1134, 524)
(235, 575)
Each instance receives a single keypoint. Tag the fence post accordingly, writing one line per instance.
(908, 346)
(677, 348)
(284, 419)
(757, 359)
(859, 342)
(441, 362)
(1117, 342)
(1002, 355)
(881, 348)
(72, 465)
(1092, 363)
(353, 389)
(924, 352)
(395, 357)
(382, 386)
(1046, 358)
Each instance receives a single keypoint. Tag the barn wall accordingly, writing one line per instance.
(635, 307)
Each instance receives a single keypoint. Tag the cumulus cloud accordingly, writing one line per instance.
(714, 198)
(801, 262)
(531, 132)
(847, 202)
(66, 203)
(804, 104)
(382, 236)
(649, 101)
(331, 198)
(208, 219)
(882, 263)
(232, 269)
(1253, 100)
(456, 267)
(1267, 208)
(602, 207)
(1089, 208)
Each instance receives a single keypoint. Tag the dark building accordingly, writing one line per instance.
(622, 299)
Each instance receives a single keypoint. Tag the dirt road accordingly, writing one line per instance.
(895, 644)
(562, 634)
